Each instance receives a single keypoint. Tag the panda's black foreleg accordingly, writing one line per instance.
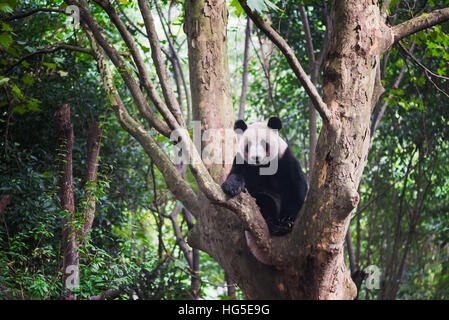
(234, 184)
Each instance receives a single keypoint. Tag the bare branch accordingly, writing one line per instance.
(420, 64)
(95, 131)
(384, 8)
(309, 43)
(179, 237)
(327, 37)
(31, 12)
(419, 23)
(175, 60)
(395, 86)
(47, 51)
(292, 60)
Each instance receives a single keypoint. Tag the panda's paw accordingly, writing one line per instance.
(232, 187)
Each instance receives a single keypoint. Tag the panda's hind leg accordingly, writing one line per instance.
(270, 207)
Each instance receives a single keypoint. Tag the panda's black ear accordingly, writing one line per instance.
(240, 125)
(275, 123)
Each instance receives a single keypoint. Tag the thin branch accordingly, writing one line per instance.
(327, 36)
(420, 64)
(47, 51)
(122, 68)
(161, 70)
(180, 189)
(31, 12)
(142, 69)
(179, 237)
(292, 60)
(309, 42)
(395, 86)
(175, 58)
(419, 23)
(131, 23)
(384, 8)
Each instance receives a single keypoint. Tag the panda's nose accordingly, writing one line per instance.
(256, 159)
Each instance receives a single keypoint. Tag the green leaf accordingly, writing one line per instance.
(238, 10)
(3, 80)
(50, 65)
(5, 40)
(28, 79)
(261, 5)
(16, 90)
(5, 26)
(257, 5)
(4, 7)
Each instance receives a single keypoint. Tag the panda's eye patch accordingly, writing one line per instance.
(265, 145)
(247, 146)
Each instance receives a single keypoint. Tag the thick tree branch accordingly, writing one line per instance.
(419, 23)
(292, 60)
(180, 189)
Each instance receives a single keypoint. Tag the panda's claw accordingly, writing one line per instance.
(282, 227)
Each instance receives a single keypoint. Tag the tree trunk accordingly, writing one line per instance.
(93, 151)
(6, 199)
(69, 242)
(309, 261)
(218, 231)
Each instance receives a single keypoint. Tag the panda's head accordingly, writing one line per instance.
(260, 142)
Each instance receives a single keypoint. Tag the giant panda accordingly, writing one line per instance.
(279, 193)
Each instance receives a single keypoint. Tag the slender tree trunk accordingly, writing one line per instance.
(6, 199)
(69, 239)
(242, 106)
(93, 152)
